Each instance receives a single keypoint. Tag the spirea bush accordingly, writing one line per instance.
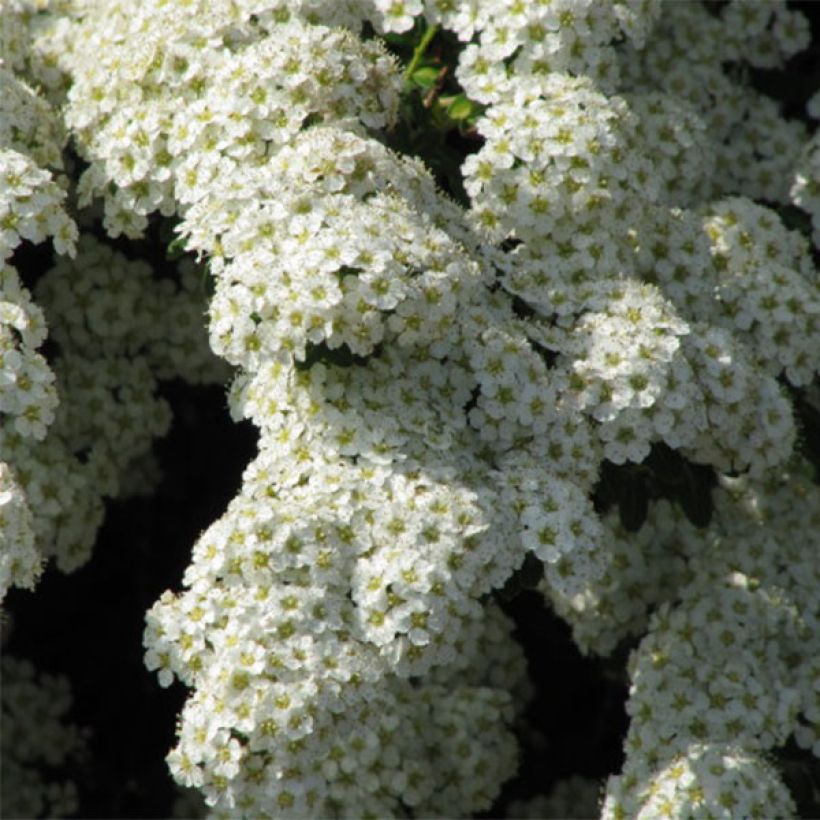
(522, 302)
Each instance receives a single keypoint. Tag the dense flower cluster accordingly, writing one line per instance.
(31, 209)
(117, 331)
(435, 387)
(74, 428)
(34, 762)
(733, 661)
(343, 591)
(707, 781)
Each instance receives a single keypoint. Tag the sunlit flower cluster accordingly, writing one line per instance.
(436, 385)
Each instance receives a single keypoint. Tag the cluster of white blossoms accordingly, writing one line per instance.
(38, 743)
(73, 428)
(435, 387)
(598, 192)
(700, 59)
(117, 332)
(348, 583)
(707, 781)
(31, 209)
(729, 656)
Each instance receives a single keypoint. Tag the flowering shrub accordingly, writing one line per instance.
(517, 296)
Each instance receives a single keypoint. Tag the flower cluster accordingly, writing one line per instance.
(436, 387)
(755, 148)
(766, 287)
(116, 331)
(805, 189)
(35, 759)
(733, 661)
(366, 537)
(707, 781)
(103, 318)
(194, 104)
(31, 210)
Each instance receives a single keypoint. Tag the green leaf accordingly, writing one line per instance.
(440, 117)
(426, 76)
(460, 108)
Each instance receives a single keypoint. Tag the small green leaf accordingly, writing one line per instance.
(440, 117)
(398, 40)
(460, 108)
(426, 76)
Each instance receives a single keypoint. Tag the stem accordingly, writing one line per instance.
(431, 94)
(419, 51)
